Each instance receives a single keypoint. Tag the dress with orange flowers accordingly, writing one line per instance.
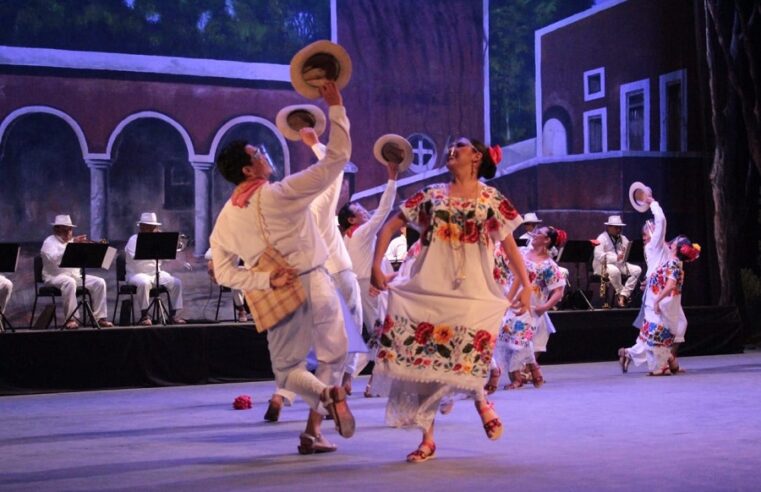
(444, 316)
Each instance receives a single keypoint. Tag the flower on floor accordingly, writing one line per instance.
(242, 402)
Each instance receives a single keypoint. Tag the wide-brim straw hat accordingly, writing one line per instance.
(291, 119)
(615, 220)
(393, 148)
(531, 218)
(317, 63)
(637, 193)
(148, 218)
(63, 220)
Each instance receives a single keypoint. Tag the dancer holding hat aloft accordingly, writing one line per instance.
(442, 322)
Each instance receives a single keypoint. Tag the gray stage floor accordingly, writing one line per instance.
(588, 428)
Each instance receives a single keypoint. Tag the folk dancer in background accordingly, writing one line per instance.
(284, 207)
(613, 244)
(238, 301)
(142, 274)
(338, 265)
(68, 279)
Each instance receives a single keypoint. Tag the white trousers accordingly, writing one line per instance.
(348, 287)
(317, 323)
(614, 273)
(68, 286)
(6, 288)
(145, 283)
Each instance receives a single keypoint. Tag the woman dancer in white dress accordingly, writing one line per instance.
(442, 320)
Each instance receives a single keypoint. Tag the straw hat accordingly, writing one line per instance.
(291, 119)
(531, 218)
(393, 148)
(148, 218)
(62, 220)
(317, 63)
(637, 194)
(615, 220)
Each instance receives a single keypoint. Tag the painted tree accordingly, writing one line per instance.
(733, 55)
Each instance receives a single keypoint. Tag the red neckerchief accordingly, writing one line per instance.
(351, 230)
(242, 193)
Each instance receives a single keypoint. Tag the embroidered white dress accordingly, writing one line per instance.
(515, 346)
(443, 318)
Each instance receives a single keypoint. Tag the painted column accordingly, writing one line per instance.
(202, 206)
(98, 197)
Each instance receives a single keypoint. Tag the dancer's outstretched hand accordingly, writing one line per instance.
(329, 91)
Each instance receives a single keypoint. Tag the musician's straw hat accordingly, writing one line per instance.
(63, 220)
(615, 220)
(148, 218)
(531, 218)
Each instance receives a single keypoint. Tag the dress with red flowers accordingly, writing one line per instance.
(444, 315)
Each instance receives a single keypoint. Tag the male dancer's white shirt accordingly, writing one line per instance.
(361, 244)
(294, 232)
(656, 250)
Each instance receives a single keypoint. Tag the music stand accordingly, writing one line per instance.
(522, 242)
(579, 252)
(157, 246)
(9, 255)
(84, 256)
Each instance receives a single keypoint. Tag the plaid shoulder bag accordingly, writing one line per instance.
(271, 306)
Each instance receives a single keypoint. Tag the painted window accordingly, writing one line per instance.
(594, 84)
(635, 115)
(596, 131)
(673, 111)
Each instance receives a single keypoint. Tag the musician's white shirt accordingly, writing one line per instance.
(134, 266)
(52, 252)
(607, 248)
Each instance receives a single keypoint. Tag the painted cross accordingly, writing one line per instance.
(424, 151)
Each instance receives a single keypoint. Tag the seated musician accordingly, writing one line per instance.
(611, 249)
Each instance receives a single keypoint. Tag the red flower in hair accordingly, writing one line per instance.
(495, 151)
(562, 238)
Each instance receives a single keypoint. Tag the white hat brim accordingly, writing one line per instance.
(281, 120)
(149, 223)
(637, 205)
(398, 140)
(64, 225)
(619, 224)
(309, 89)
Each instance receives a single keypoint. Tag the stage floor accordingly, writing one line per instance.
(588, 428)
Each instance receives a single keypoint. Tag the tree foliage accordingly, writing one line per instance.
(244, 30)
(511, 61)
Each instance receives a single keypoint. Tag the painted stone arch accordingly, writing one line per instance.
(258, 131)
(556, 132)
(150, 172)
(42, 173)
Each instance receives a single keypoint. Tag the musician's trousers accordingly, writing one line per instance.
(631, 282)
(68, 286)
(145, 282)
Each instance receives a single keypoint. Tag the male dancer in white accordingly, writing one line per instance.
(290, 228)
(68, 279)
(338, 264)
(360, 232)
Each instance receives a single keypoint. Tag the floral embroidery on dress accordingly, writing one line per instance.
(655, 335)
(457, 220)
(671, 270)
(441, 348)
